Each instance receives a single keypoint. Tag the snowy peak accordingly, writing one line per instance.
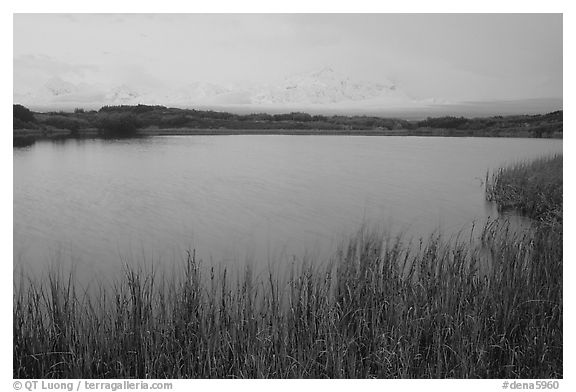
(122, 94)
(57, 87)
(326, 87)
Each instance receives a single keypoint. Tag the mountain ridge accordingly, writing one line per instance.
(323, 87)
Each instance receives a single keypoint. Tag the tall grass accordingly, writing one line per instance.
(533, 188)
(384, 310)
(383, 307)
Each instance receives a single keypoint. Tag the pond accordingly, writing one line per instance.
(237, 199)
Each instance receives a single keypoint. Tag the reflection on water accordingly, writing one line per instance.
(98, 203)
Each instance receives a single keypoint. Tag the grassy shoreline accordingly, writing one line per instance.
(532, 188)
(146, 120)
(383, 308)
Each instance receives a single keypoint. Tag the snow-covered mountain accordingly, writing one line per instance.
(324, 88)
(61, 94)
(57, 87)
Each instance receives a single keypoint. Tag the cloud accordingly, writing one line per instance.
(49, 65)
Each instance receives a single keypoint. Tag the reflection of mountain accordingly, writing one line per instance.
(325, 87)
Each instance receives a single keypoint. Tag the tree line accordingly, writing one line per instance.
(126, 120)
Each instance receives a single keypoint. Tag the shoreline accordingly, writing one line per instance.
(26, 137)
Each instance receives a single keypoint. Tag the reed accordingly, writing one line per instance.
(381, 309)
(534, 188)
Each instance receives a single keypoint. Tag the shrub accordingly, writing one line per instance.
(19, 124)
(63, 122)
(174, 121)
(22, 113)
(118, 124)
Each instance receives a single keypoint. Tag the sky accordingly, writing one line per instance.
(458, 57)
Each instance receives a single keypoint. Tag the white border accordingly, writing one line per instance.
(262, 6)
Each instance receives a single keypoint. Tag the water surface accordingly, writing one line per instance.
(98, 203)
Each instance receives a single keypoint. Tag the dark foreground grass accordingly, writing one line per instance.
(383, 308)
(383, 312)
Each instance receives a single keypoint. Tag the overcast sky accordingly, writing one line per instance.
(445, 56)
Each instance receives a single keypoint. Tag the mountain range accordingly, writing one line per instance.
(325, 87)
(323, 91)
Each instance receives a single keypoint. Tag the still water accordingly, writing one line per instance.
(236, 199)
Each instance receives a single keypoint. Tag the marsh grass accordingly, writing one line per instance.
(382, 308)
(534, 188)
